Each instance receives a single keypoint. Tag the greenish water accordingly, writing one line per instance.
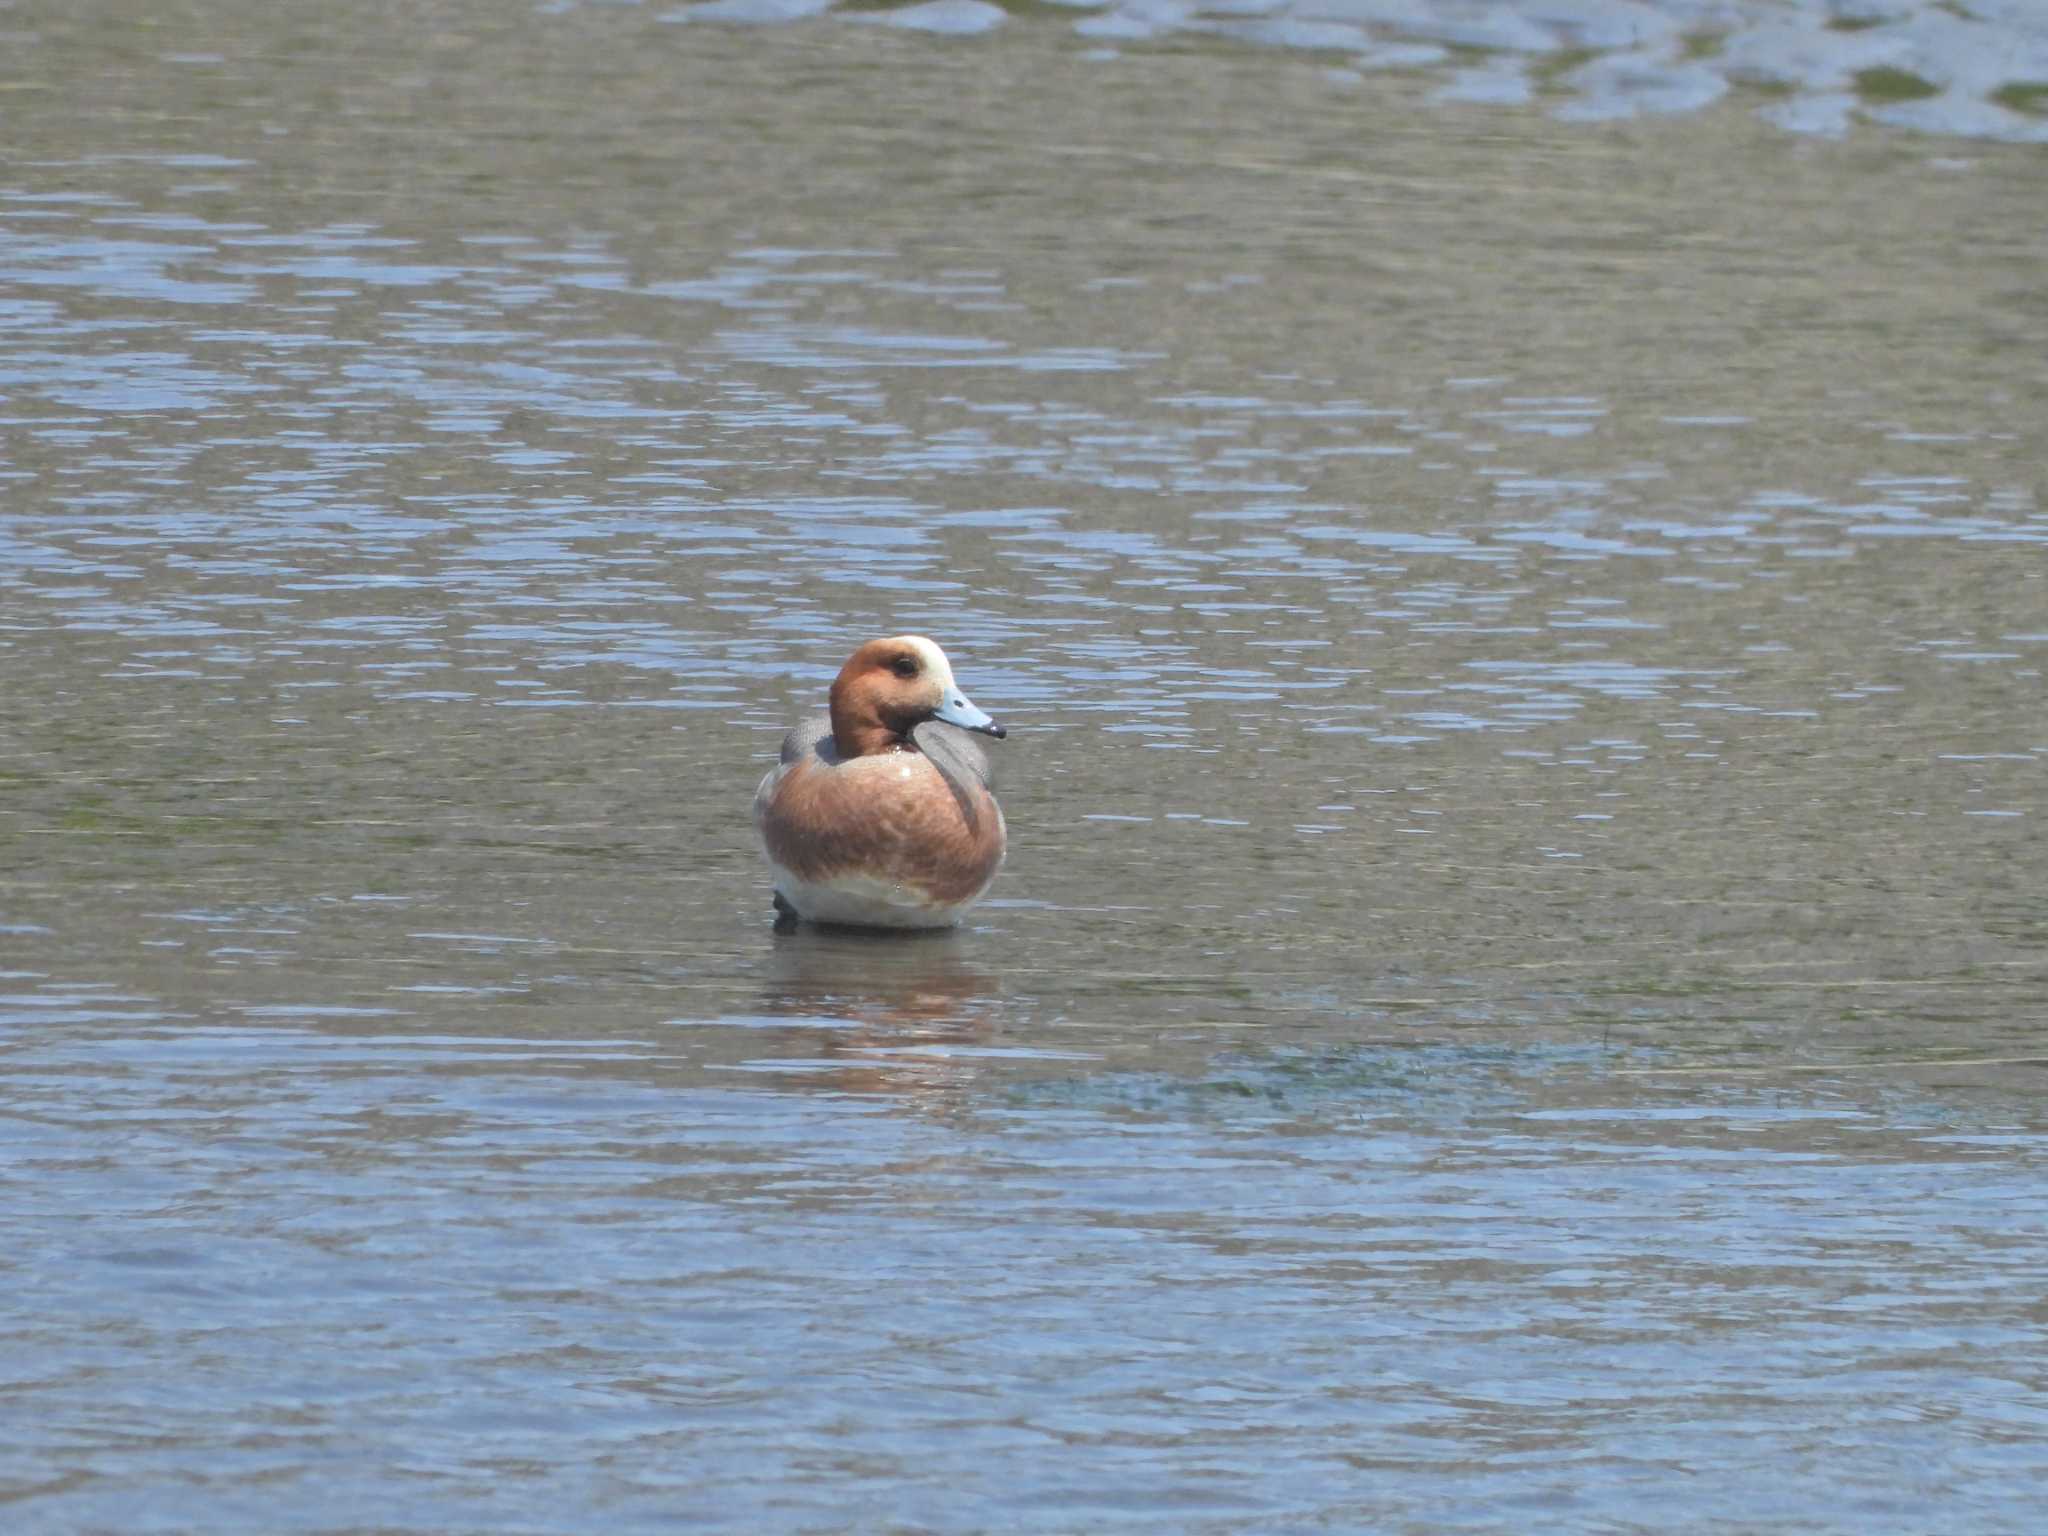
(1516, 996)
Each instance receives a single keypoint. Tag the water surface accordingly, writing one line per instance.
(1515, 999)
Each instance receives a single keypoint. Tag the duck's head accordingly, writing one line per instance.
(889, 686)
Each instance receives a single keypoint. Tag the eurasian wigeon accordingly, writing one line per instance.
(879, 814)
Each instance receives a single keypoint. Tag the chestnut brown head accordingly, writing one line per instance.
(889, 686)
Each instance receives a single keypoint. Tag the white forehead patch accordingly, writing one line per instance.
(935, 663)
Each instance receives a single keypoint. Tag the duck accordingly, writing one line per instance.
(881, 813)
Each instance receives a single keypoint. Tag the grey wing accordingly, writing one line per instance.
(960, 761)
(803, 741)
(814, 735)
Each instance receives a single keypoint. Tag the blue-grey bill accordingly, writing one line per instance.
(956, 709)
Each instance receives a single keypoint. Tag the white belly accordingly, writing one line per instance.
(863, 901)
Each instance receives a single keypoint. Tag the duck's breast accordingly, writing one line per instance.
(890, 820)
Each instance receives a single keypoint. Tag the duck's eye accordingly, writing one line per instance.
(905, 666)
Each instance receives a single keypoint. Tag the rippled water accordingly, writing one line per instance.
(1973, 68)
(1516, 997)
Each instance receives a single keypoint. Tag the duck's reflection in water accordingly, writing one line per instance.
(879, 1012)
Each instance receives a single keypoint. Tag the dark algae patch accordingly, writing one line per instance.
(1885, 84)
(2028, 96)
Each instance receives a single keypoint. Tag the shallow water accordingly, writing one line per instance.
(1970, 68)
(1516, 996)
